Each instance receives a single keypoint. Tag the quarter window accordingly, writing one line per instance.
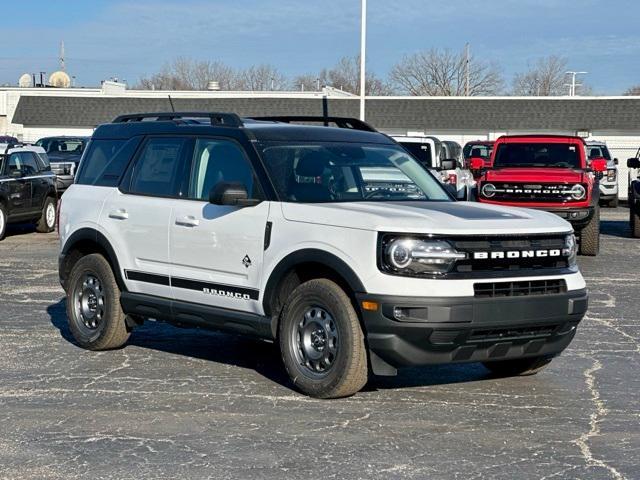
(217, 161)
(159, 170)
(23, 164)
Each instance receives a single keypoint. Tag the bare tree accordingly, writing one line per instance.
(443, 73)
(635, 90)
(547, 77)
(262, 77)
(345, 75)
(188, 74)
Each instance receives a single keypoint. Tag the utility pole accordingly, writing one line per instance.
(466, 69)
(363, 56)
(62, 55)
(572, 86)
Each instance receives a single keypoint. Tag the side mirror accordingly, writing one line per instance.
(448, 164)
(633, 163)
(599, 164)
(228, 193)
(615, 161)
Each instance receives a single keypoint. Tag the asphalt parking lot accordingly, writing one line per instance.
(191, 404)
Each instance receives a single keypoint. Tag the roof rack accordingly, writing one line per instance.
(216, 118)
(341, 122)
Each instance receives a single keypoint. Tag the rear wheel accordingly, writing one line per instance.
(590, 235)
(47, 221)
(321, 341)
(634, 219)
(95, 317)
(3, 221)
(518, 367)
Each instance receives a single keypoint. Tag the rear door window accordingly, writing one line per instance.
(105, 161)
(161, 169)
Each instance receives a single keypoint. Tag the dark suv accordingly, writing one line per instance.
(64, 154)
(27, 188)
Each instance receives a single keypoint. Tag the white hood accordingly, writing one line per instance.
(448, 218)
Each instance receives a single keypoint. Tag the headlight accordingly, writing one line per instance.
(570, 249)
(578, 192)
(415, 257)
(488, 190)
(611, 174)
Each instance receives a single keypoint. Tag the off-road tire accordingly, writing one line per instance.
(590, 235)
(46, 223)
(3, 221)
(634, 221)
(518, 367)
(348, 372)
(111, 331)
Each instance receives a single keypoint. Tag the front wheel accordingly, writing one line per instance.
(321, 341)
(590, 235)
(95, 317)
(3, 221)
(47, 221)
(518, 367)
(634, 220)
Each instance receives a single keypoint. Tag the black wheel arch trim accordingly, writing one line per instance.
(305, 256)
(94, 236)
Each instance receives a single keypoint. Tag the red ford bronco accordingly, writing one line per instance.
(547, 172)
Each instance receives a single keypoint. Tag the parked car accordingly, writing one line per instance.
(298, 234)
(477, 149)
(64, 154)
(27, 187)
(443, 157)
(550, 173)
(634, 194)
(609, 182)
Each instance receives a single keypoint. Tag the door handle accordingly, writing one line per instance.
(120, 214)
(188, 221)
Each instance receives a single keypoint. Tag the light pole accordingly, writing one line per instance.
(363, 49)
(573, 85)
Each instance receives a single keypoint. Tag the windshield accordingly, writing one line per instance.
(598, 151)
(62, 145)
(345, 172)
(477, 150)
(421, 151)
(556, 155)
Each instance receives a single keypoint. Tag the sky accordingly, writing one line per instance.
(131, 39)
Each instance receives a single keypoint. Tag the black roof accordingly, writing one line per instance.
(260, 130)
(422, 113)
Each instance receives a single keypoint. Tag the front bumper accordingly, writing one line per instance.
(577, 217)
(63, 182)
(608, 191)
(469, 329)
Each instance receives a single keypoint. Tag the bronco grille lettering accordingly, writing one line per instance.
(517, 254)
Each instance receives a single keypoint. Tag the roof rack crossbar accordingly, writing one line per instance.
(341, 122)
(216, 118)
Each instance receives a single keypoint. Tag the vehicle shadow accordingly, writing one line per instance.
(239, 351)
(262, 356)
(615, 228)
(20, 229)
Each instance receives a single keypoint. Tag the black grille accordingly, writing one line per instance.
(511, 333)
(521, 192)
(519, 289)
(495, 245)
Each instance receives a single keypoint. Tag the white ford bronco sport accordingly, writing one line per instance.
(333, 242)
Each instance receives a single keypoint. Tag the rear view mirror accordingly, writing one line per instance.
(599, 164)
(448, 164)
(228, 193)
(633, 163)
